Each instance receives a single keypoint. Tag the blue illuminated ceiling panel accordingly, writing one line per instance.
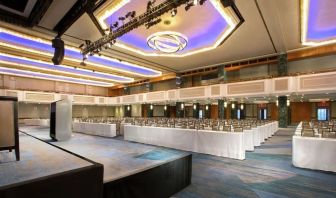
(27, 63)
(318, 24)
(205, 27)
(29, 74)
(42, 47)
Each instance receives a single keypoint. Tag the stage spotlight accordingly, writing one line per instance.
(150, 4)
(83, 61)
(133, 14)
(201, 2)
(108, 45)
(174, 12)
(195, 2)
(188, 6)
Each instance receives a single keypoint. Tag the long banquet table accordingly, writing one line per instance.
(314, 152)
(225, 144)
(219, 143)
(99, 129)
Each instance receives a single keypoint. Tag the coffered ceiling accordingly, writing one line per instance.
(270, 27)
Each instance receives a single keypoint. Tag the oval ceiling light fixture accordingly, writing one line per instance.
(167, 42)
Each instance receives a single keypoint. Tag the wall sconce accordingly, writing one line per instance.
(165, 107)
(242, 106)
(277, 103)
(182, 106)
(128, 108)
(288, 103)
(195, 107)
(233, 105)
(225, 104)
(206, 107)
(151, 107)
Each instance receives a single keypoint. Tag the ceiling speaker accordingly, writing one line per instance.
(58, 44)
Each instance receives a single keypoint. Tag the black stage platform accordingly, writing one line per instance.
(130, 169)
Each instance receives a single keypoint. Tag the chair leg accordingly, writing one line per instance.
(17, 154)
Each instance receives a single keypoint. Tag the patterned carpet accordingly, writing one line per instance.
(120, 158)
(267, 172)
(38, 159)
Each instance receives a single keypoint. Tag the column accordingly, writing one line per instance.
(149, 87)
(180, 110)
(282, 65)
(221, 109)
(222, 77)
(196, 110)
(283, 112)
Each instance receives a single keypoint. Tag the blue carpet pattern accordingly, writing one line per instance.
(120, 158)
(267, 172)
(38, 159)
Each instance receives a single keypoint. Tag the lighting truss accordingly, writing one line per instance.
(150, 15)
(149, 18)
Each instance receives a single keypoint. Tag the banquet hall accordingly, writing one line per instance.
(167, 98)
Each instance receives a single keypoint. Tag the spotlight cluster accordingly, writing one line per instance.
(130, 22)
(192, 3)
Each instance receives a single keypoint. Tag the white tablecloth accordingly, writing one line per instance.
(261, 133)
(314, 153)
(99, 129)
(248, 140)
(37, 122)
(225, 144)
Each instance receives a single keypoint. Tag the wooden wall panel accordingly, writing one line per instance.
(333, 110)
(214, 112)
(273, 111)
(172, 111)
(300, 111)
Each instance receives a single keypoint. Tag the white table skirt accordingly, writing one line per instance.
(248, 140)
(225, 144)
(314, 153)
(99, 129)
(37, 122)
